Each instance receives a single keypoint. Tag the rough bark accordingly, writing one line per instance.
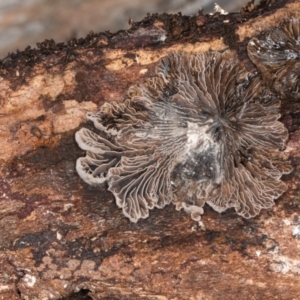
(62, 238)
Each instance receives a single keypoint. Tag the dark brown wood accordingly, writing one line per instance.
(60, 237)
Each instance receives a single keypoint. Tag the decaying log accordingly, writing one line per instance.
(62, 238)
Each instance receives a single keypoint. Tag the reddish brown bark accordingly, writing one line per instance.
(60, 236)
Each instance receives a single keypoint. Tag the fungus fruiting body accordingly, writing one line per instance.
(201, 131)
(277, 56)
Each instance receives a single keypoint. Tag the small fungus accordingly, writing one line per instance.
(277, 56)
(202, 131)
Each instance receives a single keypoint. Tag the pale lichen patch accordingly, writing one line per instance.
(283, 264)
(119, 61)
(22, 109)
(5, 287)
(51, 85)
(263, 23)
(29, 280)
(296, 232)
(119, 64)
(143, 71)
(74, 115)
(73, 264)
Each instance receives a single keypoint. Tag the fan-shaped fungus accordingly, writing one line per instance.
(202, 131)
(277, 56)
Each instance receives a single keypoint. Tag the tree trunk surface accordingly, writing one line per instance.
(63, 239)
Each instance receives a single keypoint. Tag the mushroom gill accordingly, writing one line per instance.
(277, 56)
(201, 131)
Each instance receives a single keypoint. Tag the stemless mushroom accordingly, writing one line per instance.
(277, 56)
(201, 131)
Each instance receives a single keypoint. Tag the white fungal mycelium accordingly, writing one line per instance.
(201, 131)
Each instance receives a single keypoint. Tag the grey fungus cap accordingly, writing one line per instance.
(202, 131)
(277, 56)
